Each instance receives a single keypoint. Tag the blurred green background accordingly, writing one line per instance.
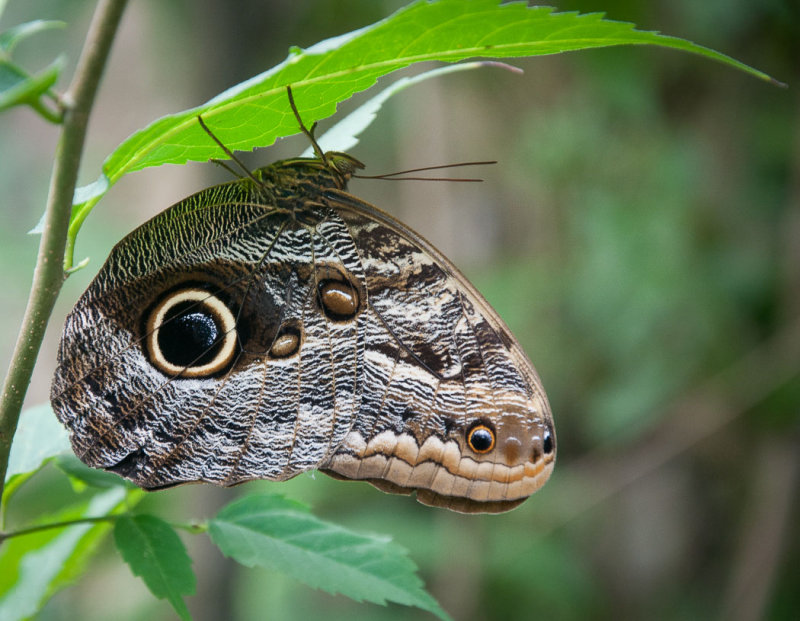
(641, 237)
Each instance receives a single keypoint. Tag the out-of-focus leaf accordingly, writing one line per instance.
(82, 476)
(39, 438)
(18, 88)
(11, 37)
(255, 113)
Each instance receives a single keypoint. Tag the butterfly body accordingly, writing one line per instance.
(278, 324)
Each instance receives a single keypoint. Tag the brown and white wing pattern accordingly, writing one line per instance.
(451, 407)
(274, 325)
(275, 387)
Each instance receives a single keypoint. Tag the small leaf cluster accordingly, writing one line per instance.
(262, 530)
(18, 87)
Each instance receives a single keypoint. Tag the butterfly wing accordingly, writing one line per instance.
(230, 339)
(201, 352)
(451, 407)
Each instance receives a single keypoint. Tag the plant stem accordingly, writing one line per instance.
(194, 529)
(52, 525)
(48, 276)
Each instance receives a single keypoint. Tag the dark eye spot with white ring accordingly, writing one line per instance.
(287, 341)
(481, 438)
(191, 333)
(339, 299)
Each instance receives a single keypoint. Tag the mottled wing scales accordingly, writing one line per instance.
(261, 417)
(438, 361)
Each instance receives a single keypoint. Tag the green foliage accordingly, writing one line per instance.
(281, 534)
(153, 550)
(37, 565)
(255, 113)
(344, 135)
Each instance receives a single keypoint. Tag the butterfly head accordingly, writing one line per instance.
(342, 164)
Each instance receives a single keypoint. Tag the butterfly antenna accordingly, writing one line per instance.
(222, 164)
(228, 152)
(309, 133)
(395, 176)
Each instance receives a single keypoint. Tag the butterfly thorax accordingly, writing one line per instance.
(301, 179)
(297, 187)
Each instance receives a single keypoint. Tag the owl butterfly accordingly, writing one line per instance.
(278, 324)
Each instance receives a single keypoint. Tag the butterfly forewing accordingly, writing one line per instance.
(261, 415)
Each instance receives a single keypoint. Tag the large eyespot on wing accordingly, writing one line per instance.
(451, 408)
(118, 405)
(191, 333)
(210, 357)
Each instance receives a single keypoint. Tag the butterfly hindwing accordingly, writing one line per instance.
(439, 364)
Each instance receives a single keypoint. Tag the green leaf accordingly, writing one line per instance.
(37, 565)
(155, 552)
(11, 37)
(39, 438)
(255, 113)
(281, 534)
